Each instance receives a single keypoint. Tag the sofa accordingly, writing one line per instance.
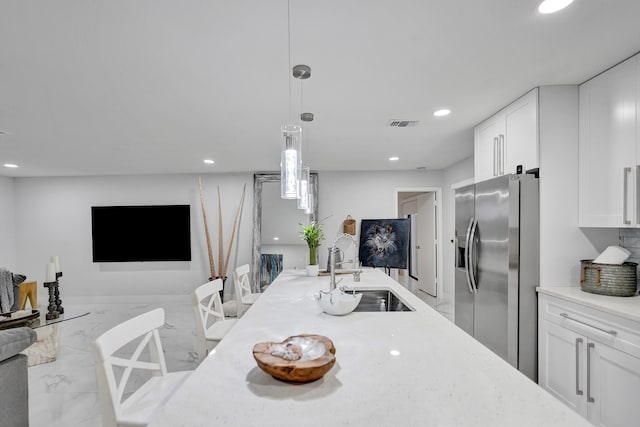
(14, 383)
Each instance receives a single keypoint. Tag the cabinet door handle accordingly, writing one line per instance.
(578, 342)
(495, 156)
(502, 156)
(625, 190)
(610, 331)
(637, 195)
(590, 398)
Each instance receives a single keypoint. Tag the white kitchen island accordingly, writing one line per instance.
(393, 368)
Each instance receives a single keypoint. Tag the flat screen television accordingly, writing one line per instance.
(141, 233)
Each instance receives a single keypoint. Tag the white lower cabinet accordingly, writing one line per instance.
(591, 364)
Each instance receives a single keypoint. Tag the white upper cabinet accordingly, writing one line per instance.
(508, 139)
(609, 148)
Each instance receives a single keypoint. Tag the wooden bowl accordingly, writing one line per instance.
(316, 354)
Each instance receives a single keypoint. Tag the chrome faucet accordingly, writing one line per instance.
(332, 256)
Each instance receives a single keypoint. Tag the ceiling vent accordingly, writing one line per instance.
(403, 123)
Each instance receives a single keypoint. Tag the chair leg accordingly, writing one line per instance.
(201, 348)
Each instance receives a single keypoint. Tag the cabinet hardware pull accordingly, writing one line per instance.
(625, 190)
(637, 196)
(495, 156)
(502, 156)
(610, 332)
(590, 398)
(578, 342)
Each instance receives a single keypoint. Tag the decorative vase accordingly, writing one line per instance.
(224, 282)
(313, 270)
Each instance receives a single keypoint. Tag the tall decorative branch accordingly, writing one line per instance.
(220, 245)
(233, 230)
(212, 268)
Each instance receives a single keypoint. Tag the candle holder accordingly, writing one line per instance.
(59, 307)
(52, 313)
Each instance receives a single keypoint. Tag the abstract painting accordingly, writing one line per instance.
(384, 242)
(270, 267)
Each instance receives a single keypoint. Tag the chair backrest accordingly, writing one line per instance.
(208, 306)
(241, 282)
(112, 387)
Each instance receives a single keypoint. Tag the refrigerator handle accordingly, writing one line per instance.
(466, 255)
(472, 272)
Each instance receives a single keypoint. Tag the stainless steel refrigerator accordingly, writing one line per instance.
(497, 235)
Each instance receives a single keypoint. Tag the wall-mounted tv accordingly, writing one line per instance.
(141, 233)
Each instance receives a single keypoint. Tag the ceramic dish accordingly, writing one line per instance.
(337, 302)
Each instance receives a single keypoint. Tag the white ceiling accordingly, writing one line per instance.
(156, 86)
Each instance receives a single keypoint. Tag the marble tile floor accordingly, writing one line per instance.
(64, 393)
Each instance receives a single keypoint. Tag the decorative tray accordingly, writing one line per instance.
(297, 359)
(16, 318)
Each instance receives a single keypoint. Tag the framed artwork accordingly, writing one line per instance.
(270, 267)
(385, 242)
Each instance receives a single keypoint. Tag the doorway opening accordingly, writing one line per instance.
(422, 206)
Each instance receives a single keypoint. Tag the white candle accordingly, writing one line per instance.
(56, 260)
(51, 272)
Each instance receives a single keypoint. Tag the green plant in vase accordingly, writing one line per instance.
(313, 235)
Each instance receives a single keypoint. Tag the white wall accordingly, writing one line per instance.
(363, 195)
(7, 224)
(55, 219)
(461, 171)
(562, 243)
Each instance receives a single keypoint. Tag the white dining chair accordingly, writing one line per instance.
(119, 370)
(211, 325)
(244, 296)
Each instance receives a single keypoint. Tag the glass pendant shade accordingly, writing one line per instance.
(303, 189)
(310, 198)
(291, 161)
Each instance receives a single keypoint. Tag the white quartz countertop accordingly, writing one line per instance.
(394, 368)
(627, 307)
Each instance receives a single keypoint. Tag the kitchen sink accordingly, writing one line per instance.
(380, 300)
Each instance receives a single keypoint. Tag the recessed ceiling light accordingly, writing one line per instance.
(276, 238)
(209, 161)
(394, 353)
(443, 112)
(551, 6)
(10, 165)
(394, 158)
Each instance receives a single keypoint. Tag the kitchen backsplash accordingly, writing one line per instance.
(630, 239)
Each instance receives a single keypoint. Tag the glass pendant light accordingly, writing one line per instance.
(310, 198)
(303, 189)
(290, 161)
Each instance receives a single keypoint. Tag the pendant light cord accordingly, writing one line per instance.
(305, 126)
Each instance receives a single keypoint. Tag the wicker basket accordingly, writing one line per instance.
(617, 280)
(349, 226)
